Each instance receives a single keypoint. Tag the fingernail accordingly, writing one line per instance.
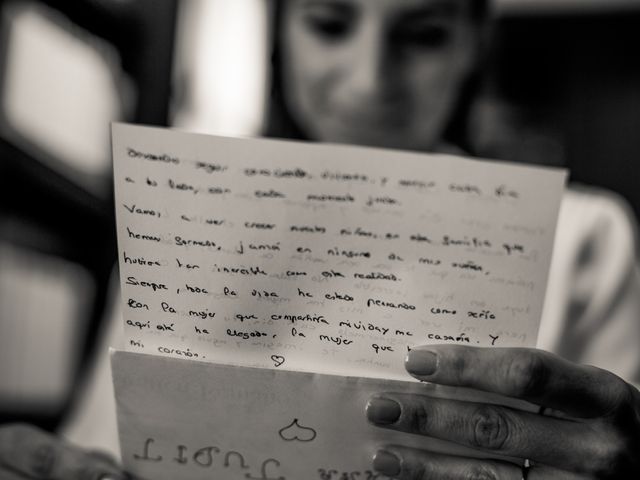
(421, 363)
(386, 463)
(383, 411)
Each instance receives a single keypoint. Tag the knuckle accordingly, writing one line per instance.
(480, 472)
(621, 400)
(612, 459)
(419, 419)
(618, 401)
(491, 430)
(459, 368)
(43, 460)
(417, 471)
(526, 374)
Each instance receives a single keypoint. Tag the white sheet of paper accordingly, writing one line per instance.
(296, 258)
(181, 419)
(325, 258)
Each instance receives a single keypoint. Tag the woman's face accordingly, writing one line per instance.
(376, 72)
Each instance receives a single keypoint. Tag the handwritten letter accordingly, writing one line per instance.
(325, 258)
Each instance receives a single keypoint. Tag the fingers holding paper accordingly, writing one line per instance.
(406, 463)
(528, 374)
(27, 452)
(592, 429)
(493, 429)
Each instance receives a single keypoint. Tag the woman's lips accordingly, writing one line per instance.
(372, 120)
(364, 133)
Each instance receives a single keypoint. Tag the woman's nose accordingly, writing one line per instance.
(370, 73)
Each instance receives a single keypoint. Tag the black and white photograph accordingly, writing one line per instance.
(319, 239)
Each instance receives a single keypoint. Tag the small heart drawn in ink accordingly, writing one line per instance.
(294, 431)
(277, 360)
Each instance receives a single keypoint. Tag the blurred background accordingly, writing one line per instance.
(562, 88)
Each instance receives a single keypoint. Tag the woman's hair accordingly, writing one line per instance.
(281, 124)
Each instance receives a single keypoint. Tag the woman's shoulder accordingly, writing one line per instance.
(597, 234)
(593, 275)
(596, 238)
(598, 219)
(592, 205)
(599, 228)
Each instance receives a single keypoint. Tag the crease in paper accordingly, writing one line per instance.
(197, 421)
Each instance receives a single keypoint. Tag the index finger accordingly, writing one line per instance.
(533, 375)
(39, 455)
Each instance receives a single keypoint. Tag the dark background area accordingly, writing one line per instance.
(577, 79)
(43, 209)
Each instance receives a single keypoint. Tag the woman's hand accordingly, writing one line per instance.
(29, 453)
(589, 429)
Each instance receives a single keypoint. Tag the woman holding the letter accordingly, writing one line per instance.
(401, 74)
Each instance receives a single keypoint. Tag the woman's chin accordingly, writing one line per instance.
(373, 137)
(378, 141)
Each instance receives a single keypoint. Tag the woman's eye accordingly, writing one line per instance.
(429, 36)
(329, 27)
